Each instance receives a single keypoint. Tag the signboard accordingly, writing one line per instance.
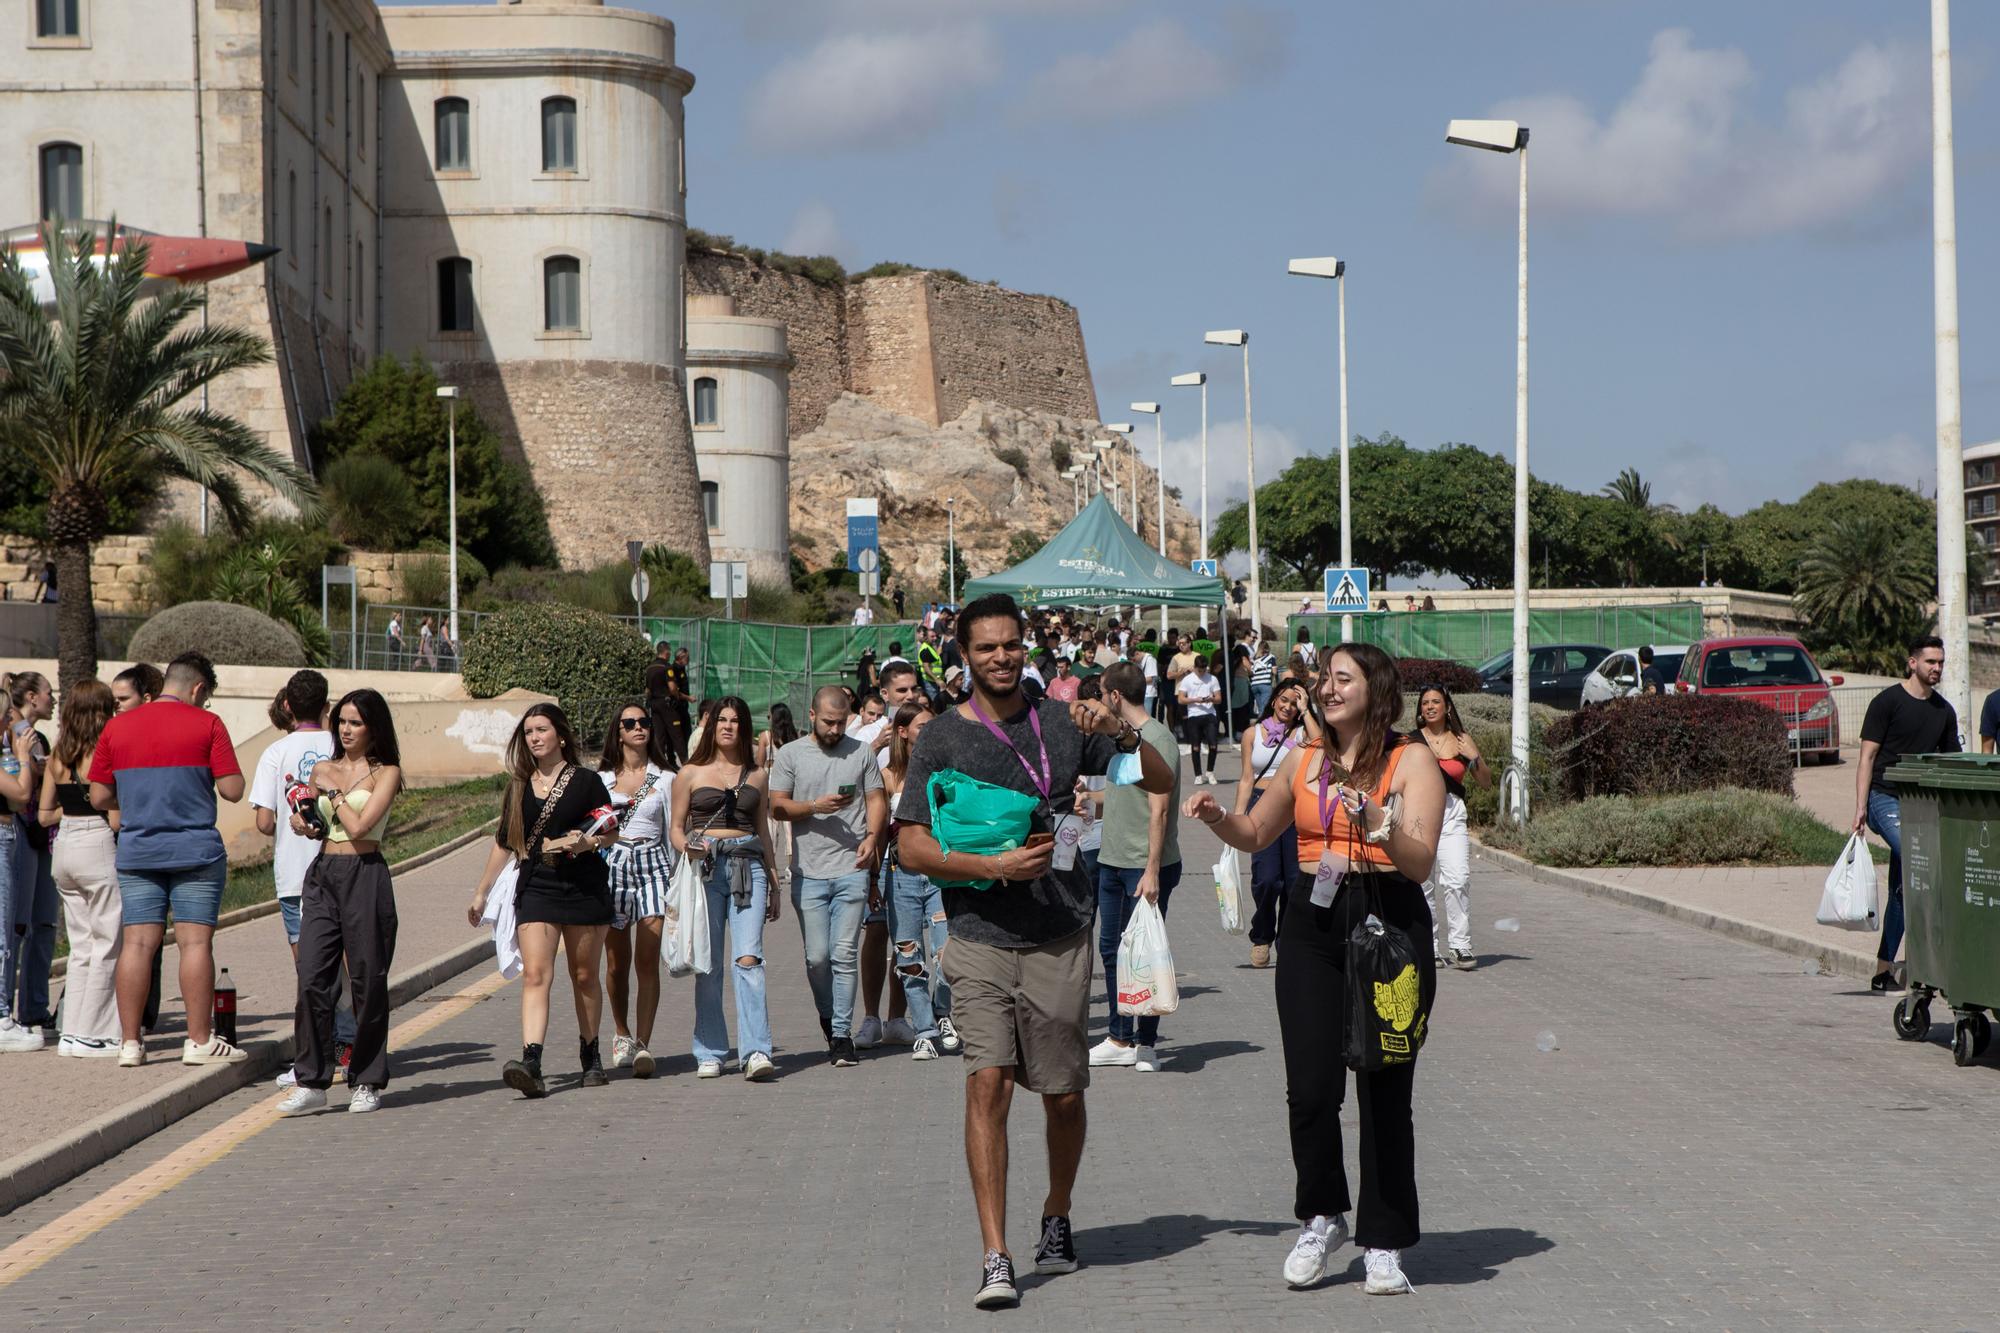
(634, 550)
(728, 579)
(642, 587)
(1346, 590)
(863, 530)
(868, 561)
(1205, 568)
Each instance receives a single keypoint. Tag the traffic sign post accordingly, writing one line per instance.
(727, 581)
(868, 571)
(1205, 568)
(642, 588)
(1346, 590)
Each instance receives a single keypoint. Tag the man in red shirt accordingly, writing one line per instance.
(1065, 685)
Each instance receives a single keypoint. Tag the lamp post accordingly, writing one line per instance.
(951, 550)
(1241, 338)
(1952, 627)
(1199, 379)
(1159, 485)
(1506, 136)
(1075, 474)
(1124, 428)
(1336, 269)
(450, 393)
(1106, 449)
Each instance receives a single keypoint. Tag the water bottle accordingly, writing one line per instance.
(225, 1007)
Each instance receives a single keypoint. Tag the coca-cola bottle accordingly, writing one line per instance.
(225, 1007)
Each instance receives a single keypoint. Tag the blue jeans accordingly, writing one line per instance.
(916, 917)
(1260, 695)
(746, 940)
(830, 912)
(1885, 816)
(1117, 890)
(7, 949)
(31, 928)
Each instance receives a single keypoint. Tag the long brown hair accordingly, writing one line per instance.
(86, 707)
(705, 753)
(1378, 723)
(899, 742)
(521, 767)
(1451, 719)
(611, 758)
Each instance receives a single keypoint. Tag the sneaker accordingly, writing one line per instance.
(1148, 1061)
(623, 1051)
(870, 1035)
(898, 1032)
(843, 1053)
(1385, 1273)
(214, 1051)
(924, 1049)
(1260, 955)
(948, 1038)
(131, 1054)
(364, 1100)
(758, 1068)
(708, 1069)
(1882, 982)
(303, 1101)
(88, 1048)
(287, 1078)
(996, 1282)
(1109, 1052)
(1056, 1252)
(1306, 1264)
(525, 1074)
(14, 1037)
(1463, 960)
(643, 1064)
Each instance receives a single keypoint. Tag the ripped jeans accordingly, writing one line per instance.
(916, 919)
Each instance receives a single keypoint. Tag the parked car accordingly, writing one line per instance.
(1555, 672)
(1618, 675)
(1777, 672)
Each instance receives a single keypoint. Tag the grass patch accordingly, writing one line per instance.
(1729, 826)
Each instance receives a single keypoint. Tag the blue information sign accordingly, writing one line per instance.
(1346, 590)
(861, 536)
(1205, 568)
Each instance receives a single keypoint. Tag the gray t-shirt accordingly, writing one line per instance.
(1008, 915)
(1128, 811)
(823, 846)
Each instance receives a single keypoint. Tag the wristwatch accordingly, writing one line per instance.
(1128, 738)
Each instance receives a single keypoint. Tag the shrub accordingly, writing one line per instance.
(1060, 455)
(590, 662)
(674, 573)
(1014, 458)
(226, 632)
(369, 502)
(427, 581)
(1663, 744)
(1727, 826)
(471, 570)
(1417, 672)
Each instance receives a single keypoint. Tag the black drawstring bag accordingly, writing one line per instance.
(1387, 1019)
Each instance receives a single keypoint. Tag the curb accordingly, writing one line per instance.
(1832, 959)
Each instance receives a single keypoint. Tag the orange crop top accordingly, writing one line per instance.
(1348, 841)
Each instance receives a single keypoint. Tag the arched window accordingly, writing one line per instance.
(58, 18)
(705, 401)
(454, 134)
(455, 295)
(562, 293)
(711, 504)
(62, 180)
(559, 134)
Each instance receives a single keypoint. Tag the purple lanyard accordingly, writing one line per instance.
(1326, 808)
(1045, 780)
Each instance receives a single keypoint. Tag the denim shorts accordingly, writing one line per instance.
(194, 893)
(288, 908)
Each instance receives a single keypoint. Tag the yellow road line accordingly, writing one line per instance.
(33, 1250)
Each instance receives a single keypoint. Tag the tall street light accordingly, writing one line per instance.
(1159, 486)
(1240, 338)
(1199, 379)
(450, 392)
(951, 550)
(1952, 626)
(1124, 428)
(1506, 136)
(1075, 474)
(1107, 449)
(1336, 269)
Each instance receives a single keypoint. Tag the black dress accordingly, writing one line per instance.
(572, 890)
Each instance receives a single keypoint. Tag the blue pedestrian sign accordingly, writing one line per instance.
(1346, 590)
(1205, 568)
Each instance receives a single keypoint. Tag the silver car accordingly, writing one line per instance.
(1618, 675)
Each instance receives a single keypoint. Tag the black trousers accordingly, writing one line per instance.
(348, 909)
(1312, 1017)
(1200, 732)
(1271, 874)
(671, 722)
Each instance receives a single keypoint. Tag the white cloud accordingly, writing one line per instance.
(1157, 67)
(815, 230)
(1277, 448)
(1691, 475)
(870, 90)
(1685, 147)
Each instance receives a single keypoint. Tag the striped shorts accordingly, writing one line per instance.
(640, 873)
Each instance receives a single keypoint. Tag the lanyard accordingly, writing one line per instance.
(1045, 779)
(1326, 807)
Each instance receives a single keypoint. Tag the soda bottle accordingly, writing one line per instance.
(225, 1007)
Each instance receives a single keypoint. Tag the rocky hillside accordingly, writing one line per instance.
(1002, 464)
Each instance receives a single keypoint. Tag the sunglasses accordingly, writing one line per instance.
(634, 724)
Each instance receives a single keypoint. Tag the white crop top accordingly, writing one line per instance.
(648, 823)
(1266, 757)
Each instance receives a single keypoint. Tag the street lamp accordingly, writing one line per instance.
(1506, 136)
(1159, 485)
(1199, 379)
(1106, 449)
(1124, 428)
(1241, 338)
(450, 393)
(1075, 473)
(1952, 627)
(1336, 269)
(951, 550)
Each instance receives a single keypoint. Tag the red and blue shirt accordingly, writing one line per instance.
(164, 758)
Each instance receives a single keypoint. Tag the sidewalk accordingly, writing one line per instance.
(63, 1116)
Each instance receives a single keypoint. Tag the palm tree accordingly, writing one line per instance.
(92, 394)
(1862, 580)
(1635, 492)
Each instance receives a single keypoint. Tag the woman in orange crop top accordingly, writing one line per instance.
(1340, 789)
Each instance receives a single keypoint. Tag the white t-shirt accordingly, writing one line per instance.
(1201, 692)
(649, 821)
(1149, 667)
(292, 757)
(862, 615)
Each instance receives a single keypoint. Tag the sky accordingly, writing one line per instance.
(1730, 243)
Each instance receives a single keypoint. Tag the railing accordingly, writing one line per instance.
(28, 631)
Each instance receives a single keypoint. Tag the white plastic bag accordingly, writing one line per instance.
(1849, 900)
(1146, 986)
(684, 934)
(1229, 895)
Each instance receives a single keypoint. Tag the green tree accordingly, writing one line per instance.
(91, 395)
(954, 558)
(1774, 536)
(1023, 545)
(1864, 585)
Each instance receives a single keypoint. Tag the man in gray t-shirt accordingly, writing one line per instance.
(828, 787)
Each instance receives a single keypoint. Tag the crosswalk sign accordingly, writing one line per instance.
(1205, 568)
(1346, 590)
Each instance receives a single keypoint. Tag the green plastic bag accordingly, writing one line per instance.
(977, 818)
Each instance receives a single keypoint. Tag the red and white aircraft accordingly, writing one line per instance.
(169, 259)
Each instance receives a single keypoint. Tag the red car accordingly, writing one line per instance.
(1780, 674)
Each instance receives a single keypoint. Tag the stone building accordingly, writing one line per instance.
(739, 370)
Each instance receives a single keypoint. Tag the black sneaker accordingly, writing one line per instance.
(525, 1074)
(843, 1053)
(996, 1282)
(1057, 1251)
(1885, 981)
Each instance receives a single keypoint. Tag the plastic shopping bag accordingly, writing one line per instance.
(976, 817)
(1146, 986)
(1229, 895)
(1849, 900)
(684, 934)
(1387, 1014)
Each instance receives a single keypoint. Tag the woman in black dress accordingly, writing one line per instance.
(563, 890)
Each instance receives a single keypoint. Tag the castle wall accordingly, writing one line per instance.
(815, 319)
(889, 345)
(1006, 347)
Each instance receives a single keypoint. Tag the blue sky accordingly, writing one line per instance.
(1730, 235)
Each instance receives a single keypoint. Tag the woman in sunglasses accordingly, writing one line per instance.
(1460, 762)
(634, 768)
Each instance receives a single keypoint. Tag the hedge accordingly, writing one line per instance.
(590, 662)
(1417, 672)
(225, 632)
(1728, 826)
(1665, 744)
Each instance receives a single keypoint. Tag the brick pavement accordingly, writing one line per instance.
(1720, 1142)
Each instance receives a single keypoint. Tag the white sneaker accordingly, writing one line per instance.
(1306, 1264)
(214, 1051)
(708, 1069)
(303, 1101)
(1385, 1273)
(643, 1063)
(898, 1032)
(131, 1054)
(870, 1035)
(924, 1049)
(622, 1050)
(364, 1100)
(88, 1048)
(1109, 1052)
(948, 1039)
(758, 1068)
(1148, 1061)
(14, 1037)
(289, 1078)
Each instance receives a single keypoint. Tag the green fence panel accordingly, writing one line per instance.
(769, 664)
(1472, 637)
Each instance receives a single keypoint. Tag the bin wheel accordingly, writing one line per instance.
(1962, 1039)
(1912, 1018)
(1982, 1034)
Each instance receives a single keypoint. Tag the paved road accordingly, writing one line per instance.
(1720, 1142)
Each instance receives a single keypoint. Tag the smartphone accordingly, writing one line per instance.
(1040, 839)
(845, 789)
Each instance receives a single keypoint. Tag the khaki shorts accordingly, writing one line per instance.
(1023, 1009)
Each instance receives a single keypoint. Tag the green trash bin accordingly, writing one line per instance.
(1950, 806)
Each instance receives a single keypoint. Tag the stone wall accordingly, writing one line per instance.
(889, 345)
(610, 449)
(1005, 347)
(815, 322)
(118, 569)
